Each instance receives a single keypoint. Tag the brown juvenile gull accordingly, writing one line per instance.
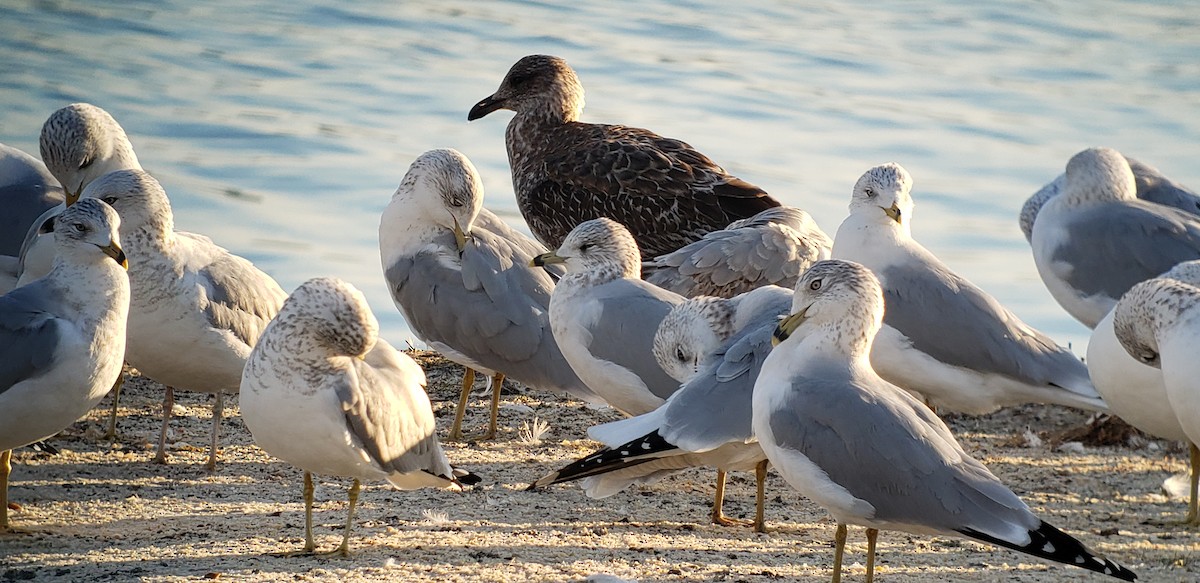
(771, 248)
(62, 337)
(460, 276)
(604, 316)
(196, 309)
(323, 392)
(1151, 185)
(869, 453)
(566, 171)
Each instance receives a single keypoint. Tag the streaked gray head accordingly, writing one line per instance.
(601, 246)
(82, 142)
(1032, 206)
(690, 333)
(89, 229)
(445, 187)
(333, 313)
(1186, 271)
(1146, 310)
(884, 190)
(539, 85)
(1099, 174)
(137, 197)
(842, 296)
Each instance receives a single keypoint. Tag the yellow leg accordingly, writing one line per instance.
(718, 515)
(5, 469)
(168, 404)
(468, 382)
(344, 548)
(839, 548)
(218, 413)
(1193, 516)
(872, 534)
(309, 544)
(760, 498)
(497, 384)
(112, 417)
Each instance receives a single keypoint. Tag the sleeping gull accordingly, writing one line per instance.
(323, 392)
(566, 171)
(869, 453)
(686, 431)
(1135, 391)
(62, 336)
(27, 190)
(604, 317)
(1150, 185)
(196, 309)
(943, 337)
(1095, 240)
(460, 277)
(1158, 324)
(771, 248)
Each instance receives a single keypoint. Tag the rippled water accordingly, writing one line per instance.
(282, 130)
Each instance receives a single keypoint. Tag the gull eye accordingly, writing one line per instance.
(680, 355)
(870, 192)
(519, 79)
(86, 162)
(109, 200)
(1149, 357)
(79, 227)
(584, 247)
(815, 285)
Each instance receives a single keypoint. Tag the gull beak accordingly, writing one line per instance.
(72, 197)
(460, 238)
(788, 325)
(893, 212)
(546, 259)
(113, 250)
(484, 107)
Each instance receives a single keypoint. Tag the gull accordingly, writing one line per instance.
(604, 316)
(1096, 239)
(733, 338)
(196, 309)
(771, 248)
(1157, 323)
(943, 337)
(1150, 184)
(62, 336)
(566, 171)
(868, 452)
(27, 190)
(323, 392)
(460, 277)
(79, 143)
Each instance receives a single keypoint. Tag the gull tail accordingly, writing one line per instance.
(640, 450)
(1048, 542)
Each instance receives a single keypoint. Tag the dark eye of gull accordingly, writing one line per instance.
(815, 285)
(109, 200)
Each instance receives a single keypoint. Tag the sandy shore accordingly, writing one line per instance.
(103, 512)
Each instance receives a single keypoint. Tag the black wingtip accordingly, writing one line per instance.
(466, 478)
(1050, 543)
(640, 450)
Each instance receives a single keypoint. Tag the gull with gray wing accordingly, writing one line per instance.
(1096, 239)
(460, 276)
(196, 309)
(566, 171)
(943, 337)
(27, 189)
(324, 393)
(62, 337)
(868, 452)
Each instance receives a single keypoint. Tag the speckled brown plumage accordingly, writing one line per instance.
(566, 171)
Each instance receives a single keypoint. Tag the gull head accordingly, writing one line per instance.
(137, 197)
(690, 333)
(334, 314)
(88, 229)
(445, 189)
(1099, 174)
(82, 142)
(539, 85)
(1145, 310)
(883, 193)
(841, 295)
(601, 246)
